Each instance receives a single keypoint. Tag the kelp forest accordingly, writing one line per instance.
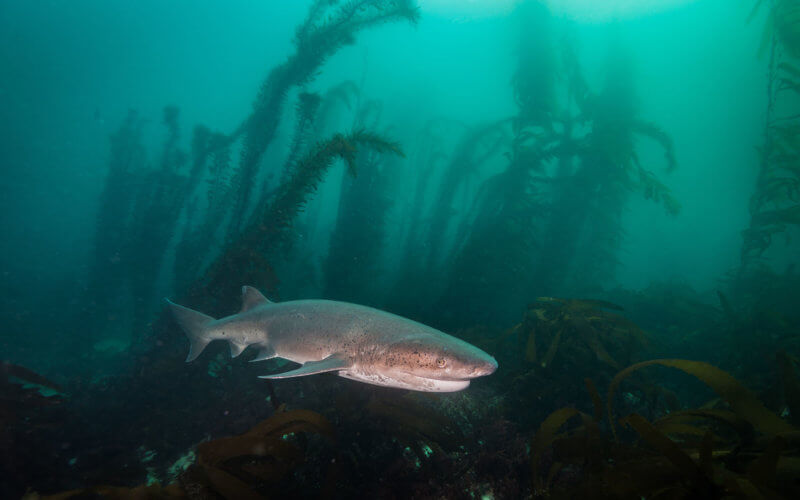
(508, 232)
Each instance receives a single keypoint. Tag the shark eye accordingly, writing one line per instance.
(441, 362)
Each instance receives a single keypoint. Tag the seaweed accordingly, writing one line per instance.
(475, 148)
(328, 27)
(673, 459)
(246, 256)
(156, 212)
(742, 401)
(144, 200)
(359, 232)
(491, 267)
(234, 466)
(775, 203)
(108, 269)
(414, 218)
(581, 325)
(589, 198)
(247, 466)
(193, 249)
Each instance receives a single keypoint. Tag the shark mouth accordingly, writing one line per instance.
(406, 380)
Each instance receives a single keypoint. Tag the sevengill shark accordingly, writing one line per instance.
(356, 342)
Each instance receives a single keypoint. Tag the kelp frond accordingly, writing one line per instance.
(741, 400)
(659, 135)
(585, 325)
(684, 454)
(329, 26)
(246, 257)
(774, 203)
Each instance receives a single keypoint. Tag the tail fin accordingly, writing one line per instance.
(195, 325)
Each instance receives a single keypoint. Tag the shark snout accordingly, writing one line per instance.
(486, 367)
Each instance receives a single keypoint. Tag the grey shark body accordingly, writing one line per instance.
(356, 342)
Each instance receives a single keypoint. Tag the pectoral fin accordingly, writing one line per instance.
(332, 363)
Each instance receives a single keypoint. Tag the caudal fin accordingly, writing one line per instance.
(195, 325)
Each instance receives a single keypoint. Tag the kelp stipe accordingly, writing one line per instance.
(329, 26)
(775, 203)
(492, 268)
(246, 258)
(358, 236)
(593, 196)
(108, 271)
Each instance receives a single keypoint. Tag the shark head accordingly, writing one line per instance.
(437, 363)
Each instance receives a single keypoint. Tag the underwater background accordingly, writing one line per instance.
(603, 195)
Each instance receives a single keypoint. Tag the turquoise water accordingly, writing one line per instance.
(572, 187)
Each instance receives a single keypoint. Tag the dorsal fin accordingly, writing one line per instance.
(252, 298)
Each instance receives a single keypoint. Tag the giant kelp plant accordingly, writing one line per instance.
(496, 257)
(597, 189)
(359, 232)
(775, 204)
(553, 215)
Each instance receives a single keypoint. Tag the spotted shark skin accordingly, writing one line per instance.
(354, 341)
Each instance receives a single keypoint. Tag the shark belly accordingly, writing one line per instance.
(401, 380)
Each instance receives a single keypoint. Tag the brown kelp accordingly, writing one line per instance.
(193, 249)
(775, 203)
(252, 224)
(328, 27)
(475, 148)
(240, 466)
(155, 215)
(585, 327)
(561, 341)
(742, 451)
(246, 257)
(429, 155)
(248, 466)
(494, 259)
(144, 200)
(108, 272)
(359, 234)
(589, 195)
(550, 221)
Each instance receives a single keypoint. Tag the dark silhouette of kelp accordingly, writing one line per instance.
(248, 466)
(496, 255)
(31, 408)
(329, 26)
(775, 203)
(245, 260)
(358, 235)
(550, 221)
(142, 205)
(584, 229)
(108, 270)
(684, 454)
